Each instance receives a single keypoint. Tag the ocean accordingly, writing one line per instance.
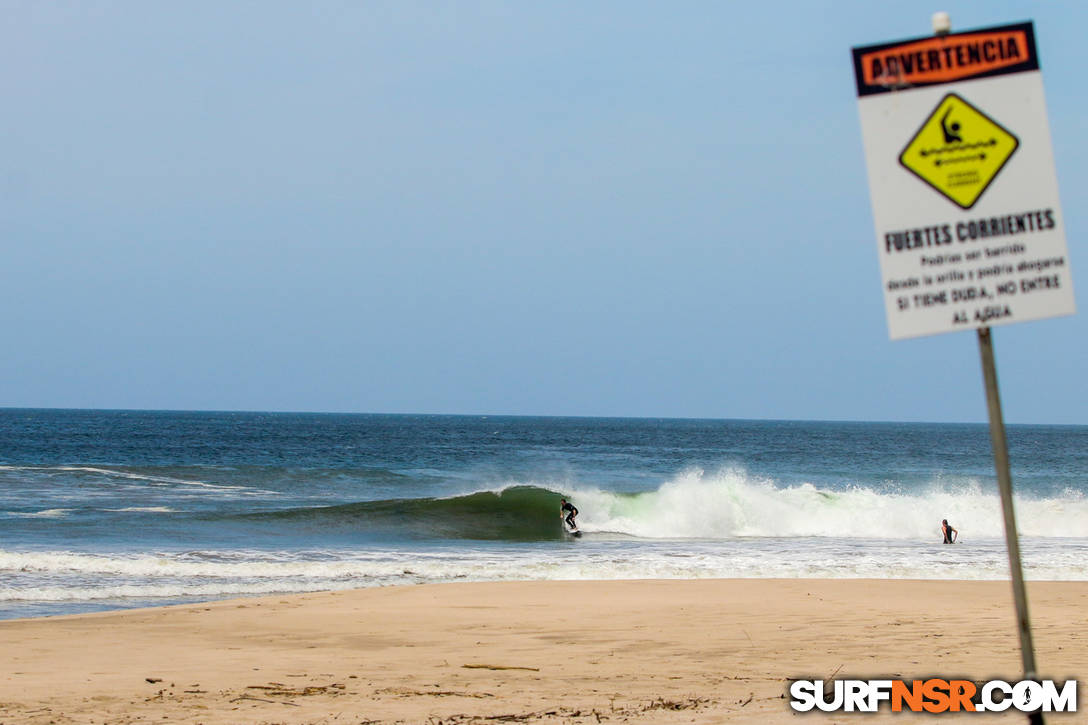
(107, 510)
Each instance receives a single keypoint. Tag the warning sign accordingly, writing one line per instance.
(945, 58)
(969, 227)
(959, 150)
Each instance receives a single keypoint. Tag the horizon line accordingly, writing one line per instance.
(5, 408)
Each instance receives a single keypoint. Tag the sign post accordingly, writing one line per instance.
(969, 227)
(1004, 484)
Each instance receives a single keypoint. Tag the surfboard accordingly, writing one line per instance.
(572, 530)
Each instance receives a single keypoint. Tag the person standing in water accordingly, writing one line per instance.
(570, 512)
(950, 534)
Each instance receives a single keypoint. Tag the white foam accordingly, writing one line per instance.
(244, 490)
(146, 509)
(731, 503)
(46, 514)
(172, 565)
(70, 576)
(141, 591)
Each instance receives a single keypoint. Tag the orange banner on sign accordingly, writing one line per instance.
(944, 59)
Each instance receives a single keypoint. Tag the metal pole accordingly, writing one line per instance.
(1004, 485)
(942, 25)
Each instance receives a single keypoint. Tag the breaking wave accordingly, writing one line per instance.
(696, 505)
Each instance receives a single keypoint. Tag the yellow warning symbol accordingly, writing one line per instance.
(959, 150)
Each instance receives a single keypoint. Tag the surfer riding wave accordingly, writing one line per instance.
(570, 511)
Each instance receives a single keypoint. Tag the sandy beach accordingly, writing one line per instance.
(704, 651)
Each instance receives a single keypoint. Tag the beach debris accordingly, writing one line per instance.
(279, 689)
(663, 704)
(570, 713)
(407, 692)
(153, 680)
(498, 667)
(829, 684)
(261, 699)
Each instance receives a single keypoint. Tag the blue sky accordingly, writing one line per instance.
(561, 208)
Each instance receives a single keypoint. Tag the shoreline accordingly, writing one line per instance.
(647, 651)
(243, 598)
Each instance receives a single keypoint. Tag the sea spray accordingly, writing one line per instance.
(731, 503)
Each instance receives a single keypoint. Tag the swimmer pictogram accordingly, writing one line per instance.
(959, 150)
(951, 130)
